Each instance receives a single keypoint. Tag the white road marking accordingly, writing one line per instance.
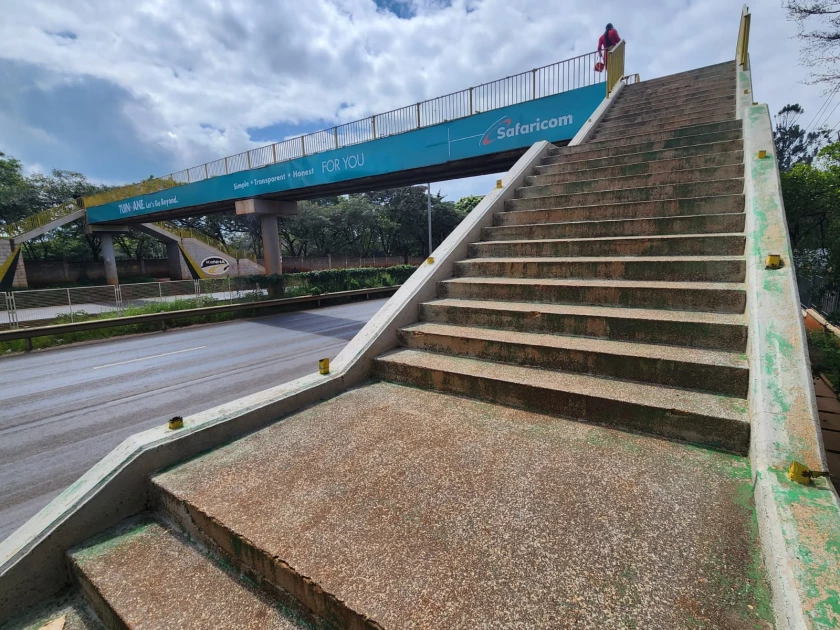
(155, 356)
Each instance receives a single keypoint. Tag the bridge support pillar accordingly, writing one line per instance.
(106, 239)
(173, 255)
(269, 210)
(272, 251)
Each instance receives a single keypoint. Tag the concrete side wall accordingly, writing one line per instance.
(799, 525)
(6, 250)
(198, 251)
(50, 272)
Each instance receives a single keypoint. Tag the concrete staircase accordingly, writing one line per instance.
(611, 290)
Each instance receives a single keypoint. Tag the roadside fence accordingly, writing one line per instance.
(42, 307)
(813, 293)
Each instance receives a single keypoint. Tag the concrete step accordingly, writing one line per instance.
(678, 94)
(586, 181)
(606, 131)
(713, 371)
(698, 417)
(655, 114)
(426, 510)
(664, 268)
(662, 245)
(664, 107)
(729, 130)
(713, 331)
(537, 197)
(143, 575)
(687, 224)
(707, 297)
(724, 69)
(721, 204)
(605, 149)
(561, 164)
(634, 165)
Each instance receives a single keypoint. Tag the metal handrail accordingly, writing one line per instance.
(615, 65)
(40, 219)
(742, 48)
(206, 239)
(555, 78)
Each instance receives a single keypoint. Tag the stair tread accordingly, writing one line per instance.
(670, 173)
(621, 190)
(673, 399)
(614, 221)
(586, 344)
(654, 237)
(595, 259)
(639, 284)
(699, 317)
(655, 151)
(145, 554)
(622, 203)
(732, 125)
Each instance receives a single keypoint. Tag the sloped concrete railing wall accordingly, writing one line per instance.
(799, 525)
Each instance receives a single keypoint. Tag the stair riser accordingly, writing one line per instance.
(732, 338)
(605, 150)
(260, 567)
(722, 130)
(714, 432)
(615, 182)
(647, 152)
(664, 114)
(606, 130)
(652, 209)
(700, 224)
(562, 173)
(672, 271)
(663, 108)
(725, 380)
(705, 300)
(539, 197)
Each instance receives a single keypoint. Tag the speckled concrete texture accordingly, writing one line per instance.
(423, 510)
(69, 604)
(144, 576)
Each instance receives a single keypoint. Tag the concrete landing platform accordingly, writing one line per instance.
(424, 510)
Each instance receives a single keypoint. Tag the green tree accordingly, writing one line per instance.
(17, 196)
(465, 205)
(793, 143)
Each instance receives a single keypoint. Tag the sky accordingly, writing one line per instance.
(124, 89)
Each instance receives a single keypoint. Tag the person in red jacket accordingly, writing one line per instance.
(609, 39)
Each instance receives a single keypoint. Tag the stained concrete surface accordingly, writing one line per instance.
(424, 510)
(62, 410)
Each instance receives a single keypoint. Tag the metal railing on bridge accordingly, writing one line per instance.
(40, 219)
(548, 80)
(206, 239)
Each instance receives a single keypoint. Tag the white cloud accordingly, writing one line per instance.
(190, 79)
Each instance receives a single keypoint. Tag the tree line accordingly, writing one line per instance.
(389, 222)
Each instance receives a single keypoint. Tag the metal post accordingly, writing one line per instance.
(533, 84)
(70, 304)
(226, 171)
(206, 176)
(302, 146)
(471, 101)
(335, 134)
(248, 154)
(160, 291)
(373, 122)
(429, 199)
(418, 115)
(274, 152)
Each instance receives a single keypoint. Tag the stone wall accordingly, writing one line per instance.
(41, 273)
(20, 272)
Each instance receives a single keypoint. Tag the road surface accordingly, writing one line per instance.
(62, 410)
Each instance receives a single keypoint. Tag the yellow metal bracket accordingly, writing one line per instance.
(176, 423)
(800, 473)
(324, 366)
(773, 261)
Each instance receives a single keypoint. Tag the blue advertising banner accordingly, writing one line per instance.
(553, 118)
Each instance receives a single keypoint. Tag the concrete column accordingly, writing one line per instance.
(108, 256)
(271, 244)
(173, 255)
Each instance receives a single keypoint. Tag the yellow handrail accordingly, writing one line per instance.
(206, 239)
(40, 219)
(615, 66)
(742, 49)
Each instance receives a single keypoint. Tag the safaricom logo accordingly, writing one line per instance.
(502, 128)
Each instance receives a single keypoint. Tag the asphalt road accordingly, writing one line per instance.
(62, 410)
